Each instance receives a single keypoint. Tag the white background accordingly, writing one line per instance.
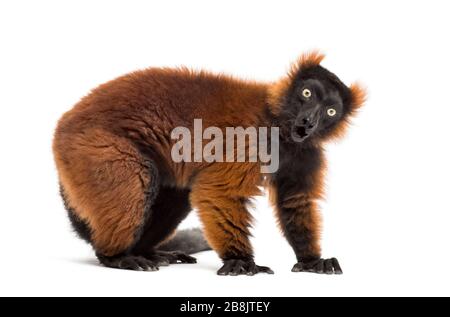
(386, 216)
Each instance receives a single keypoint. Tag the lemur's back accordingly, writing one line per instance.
(167, 98)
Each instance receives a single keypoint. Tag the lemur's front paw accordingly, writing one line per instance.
(321, 266)
(242, 267)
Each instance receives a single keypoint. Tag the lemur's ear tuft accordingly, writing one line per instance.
(307, 60)
(358, 96)
(278, 89)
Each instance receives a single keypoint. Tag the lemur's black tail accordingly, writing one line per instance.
(188, 241)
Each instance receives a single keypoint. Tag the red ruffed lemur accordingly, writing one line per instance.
(125, 194)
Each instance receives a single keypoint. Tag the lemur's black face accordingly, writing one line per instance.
(316, 103)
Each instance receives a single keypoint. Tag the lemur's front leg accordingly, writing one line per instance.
(226, 221)
(295, 190)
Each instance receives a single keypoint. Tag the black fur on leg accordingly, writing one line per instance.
(80, 226)
(170, 207)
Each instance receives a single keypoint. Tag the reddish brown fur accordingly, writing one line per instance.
(105, 183)
(220, 194)
(105, 176)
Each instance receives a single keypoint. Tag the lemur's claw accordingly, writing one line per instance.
(242, 267)
(320, 266)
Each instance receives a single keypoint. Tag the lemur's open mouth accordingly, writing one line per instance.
(299, 133)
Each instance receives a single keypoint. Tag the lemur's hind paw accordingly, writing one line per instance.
(128, 262)
(170, 257)
(242, 267)
(321, 266)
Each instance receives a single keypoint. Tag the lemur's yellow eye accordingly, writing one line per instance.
(306, 93)
(331, 112)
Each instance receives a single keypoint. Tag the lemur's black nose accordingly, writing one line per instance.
(308, 123)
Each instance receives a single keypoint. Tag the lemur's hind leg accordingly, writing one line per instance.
(109, 188)
(170, 207)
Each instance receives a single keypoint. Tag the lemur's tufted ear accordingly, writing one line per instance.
(358, 96)
(278, 89)
(307, 60)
